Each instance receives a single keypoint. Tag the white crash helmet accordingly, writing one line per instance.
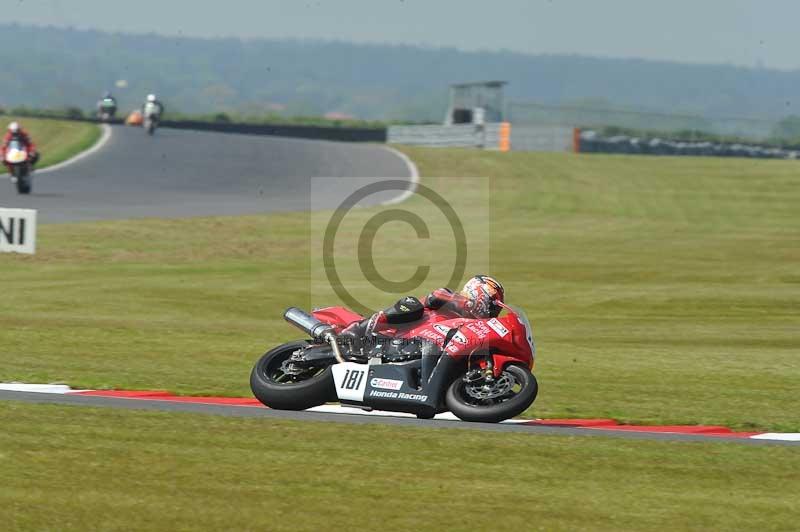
(13, 127)
(151, 98)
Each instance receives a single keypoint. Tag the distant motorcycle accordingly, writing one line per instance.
(106, 111)
(152, 116)
(18, 160)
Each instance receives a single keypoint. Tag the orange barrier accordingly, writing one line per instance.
(504, 143)
(134, 119)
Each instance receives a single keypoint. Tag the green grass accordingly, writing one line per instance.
(662, 290)
(77, 468)
(56, 140)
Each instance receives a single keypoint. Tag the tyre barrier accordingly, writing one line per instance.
(341, 134)
(593, 142)
(333, 133)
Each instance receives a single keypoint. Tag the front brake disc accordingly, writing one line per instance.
(493, 390)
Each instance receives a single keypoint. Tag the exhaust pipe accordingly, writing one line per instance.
(314, 328)
(306, 323)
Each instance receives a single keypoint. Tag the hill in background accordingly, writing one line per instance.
(50, 67)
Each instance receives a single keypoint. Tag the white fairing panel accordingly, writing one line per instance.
(16, 152)
(16, 156)
(350, 380)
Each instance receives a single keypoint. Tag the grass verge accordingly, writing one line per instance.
(76, 468)
(663, 290)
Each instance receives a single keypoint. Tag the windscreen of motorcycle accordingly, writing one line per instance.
(523, 319)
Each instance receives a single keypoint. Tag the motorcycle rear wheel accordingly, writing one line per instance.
(494, 410)
(283, 391)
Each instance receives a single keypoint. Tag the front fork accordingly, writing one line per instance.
(481, 370)
(490, 367)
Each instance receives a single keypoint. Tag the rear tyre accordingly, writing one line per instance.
(281, 390)
(514, 391)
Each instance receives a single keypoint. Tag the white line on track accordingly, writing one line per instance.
(783, 436)
(38, 388)
(104, 138)
(413, 172)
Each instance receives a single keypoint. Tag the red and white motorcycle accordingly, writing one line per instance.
(478, 369)
(18, 161)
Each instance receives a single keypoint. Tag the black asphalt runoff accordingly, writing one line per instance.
(178, 173)
(265, 413)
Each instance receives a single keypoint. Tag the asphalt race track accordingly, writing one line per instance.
(179, 173)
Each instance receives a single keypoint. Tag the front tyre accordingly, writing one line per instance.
(278, 385)
(23, 180)
(506, 397)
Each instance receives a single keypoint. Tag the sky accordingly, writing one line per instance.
(740, 32)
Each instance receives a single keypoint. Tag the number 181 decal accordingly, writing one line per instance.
(350, 380)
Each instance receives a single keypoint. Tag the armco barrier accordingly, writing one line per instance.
(501, 136)
(461, 135)
(488, 136)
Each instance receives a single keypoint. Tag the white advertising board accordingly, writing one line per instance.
(17, 230)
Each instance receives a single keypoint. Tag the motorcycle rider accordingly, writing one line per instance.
(148, 106)
(108, 104)
(478, 299)
(15, 132)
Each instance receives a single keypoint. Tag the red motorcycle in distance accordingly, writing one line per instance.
(18, 161)
(478, 369)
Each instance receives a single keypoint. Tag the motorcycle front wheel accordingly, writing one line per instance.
(278, 386)
(506, 397)
(23, 180)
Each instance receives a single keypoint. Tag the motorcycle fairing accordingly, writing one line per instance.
(16, 153)
(339, 317)
(394, 387)
(502, 337)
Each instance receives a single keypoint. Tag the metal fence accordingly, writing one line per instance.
(494, 136)
(457, 135)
